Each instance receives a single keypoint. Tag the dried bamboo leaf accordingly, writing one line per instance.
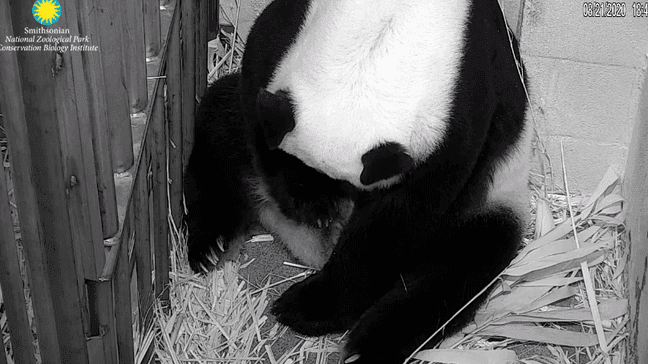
(551, 297)
(541, 334)
(588, 233)
(607, 183)
(555, 281)
(554, 247)
(610, 204)
(468, 356)
(558, 232)
(555, 263)
(503, 305)
(609, 309)
(544, 218)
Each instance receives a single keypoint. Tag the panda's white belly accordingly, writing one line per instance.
(311, 246)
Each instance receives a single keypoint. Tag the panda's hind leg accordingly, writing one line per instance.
(464, 259)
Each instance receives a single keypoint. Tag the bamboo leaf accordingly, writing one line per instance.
(555, 263)
(608, 309)
(558, 232)
(541, 334)
(504, 305)
(586, 234)
(608, 182)
(544, 219)
(468, 356)
(551, 297)
(556, 281)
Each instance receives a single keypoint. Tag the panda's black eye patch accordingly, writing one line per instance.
(384, 161)
(275, 112)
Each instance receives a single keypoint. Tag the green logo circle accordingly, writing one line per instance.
(46, 12)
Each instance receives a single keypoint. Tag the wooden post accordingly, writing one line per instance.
(201, 48)
(213, 25)
(174, 117)
(152, 28)
(133, 16)
(98, 119)
(3, 356)
(142, 248)
(73, 96)
(12, 283)
(636, 193)
(115, 80)
(188, 34)
(160, 206)
(25, 192)
(30, 81)
(123, 310)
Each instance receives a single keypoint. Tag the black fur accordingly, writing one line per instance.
(384, 161)
(412, 255)
(220, 198)
(272, 108)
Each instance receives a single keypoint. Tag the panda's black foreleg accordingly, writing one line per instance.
(219, 210)
(356, 275)
(463, 261)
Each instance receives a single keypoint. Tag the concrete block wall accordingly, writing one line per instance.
(586, 77)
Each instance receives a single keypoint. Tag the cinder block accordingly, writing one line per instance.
(512, 12)
(558, 29)
(583, 100)
(246, 15)
(259, 5)
(585, 161)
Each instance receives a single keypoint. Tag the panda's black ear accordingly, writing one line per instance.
(384, 161)
(275, 113)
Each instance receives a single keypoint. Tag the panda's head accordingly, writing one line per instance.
(363, 90)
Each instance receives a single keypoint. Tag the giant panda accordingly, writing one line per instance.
(226, 195)
(420, 107)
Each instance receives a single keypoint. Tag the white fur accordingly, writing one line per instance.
(510, 181)
(311, 246)
(363, 72)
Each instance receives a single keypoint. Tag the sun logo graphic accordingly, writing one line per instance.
(46, 12)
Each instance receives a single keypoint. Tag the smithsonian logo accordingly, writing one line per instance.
(46, 12)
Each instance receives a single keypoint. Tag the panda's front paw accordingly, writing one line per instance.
(318, 215)
(372, 341)
(206, 252)
(311, 307)
(202, 257)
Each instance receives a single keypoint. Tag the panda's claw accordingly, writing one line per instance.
(352, 358)
(319, 223)
(220, 244)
